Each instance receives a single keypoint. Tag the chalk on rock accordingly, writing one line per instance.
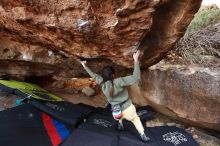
(88, 91)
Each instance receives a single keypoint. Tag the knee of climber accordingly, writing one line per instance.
(131, 117)
(135, 118)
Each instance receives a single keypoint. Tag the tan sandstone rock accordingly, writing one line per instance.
(188, 93)
(109, 30)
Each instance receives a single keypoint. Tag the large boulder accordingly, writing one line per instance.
(190, 94)
(17, 58)
(25, 70)
(110, 30)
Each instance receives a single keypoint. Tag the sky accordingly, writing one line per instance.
(209, 2)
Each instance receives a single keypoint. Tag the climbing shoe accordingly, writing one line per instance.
(144, 138)
(120, 127)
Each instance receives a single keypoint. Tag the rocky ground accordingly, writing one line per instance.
(203, 137)
(7, 100)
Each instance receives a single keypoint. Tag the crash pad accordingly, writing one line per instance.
(25, 125)
(100, 130)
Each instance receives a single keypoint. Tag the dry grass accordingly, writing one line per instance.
(206, 16)
(195, 47)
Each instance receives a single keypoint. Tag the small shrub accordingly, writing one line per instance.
(205, 17)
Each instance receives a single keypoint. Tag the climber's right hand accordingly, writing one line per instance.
(136, 55)
(83, 63)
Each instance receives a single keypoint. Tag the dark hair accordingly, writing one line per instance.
(107, 75)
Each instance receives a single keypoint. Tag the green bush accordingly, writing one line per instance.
(204, 18)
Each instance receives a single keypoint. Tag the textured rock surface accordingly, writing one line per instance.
(203, 138)
(65, 67)
(88, 91)
(190, 94)
(7, 100)
(99, 29)
(21, 70)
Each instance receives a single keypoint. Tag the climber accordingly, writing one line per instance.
(117, 94)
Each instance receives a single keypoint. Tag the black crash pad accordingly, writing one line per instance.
(100, 130)
(24, 126)
(64, 111)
